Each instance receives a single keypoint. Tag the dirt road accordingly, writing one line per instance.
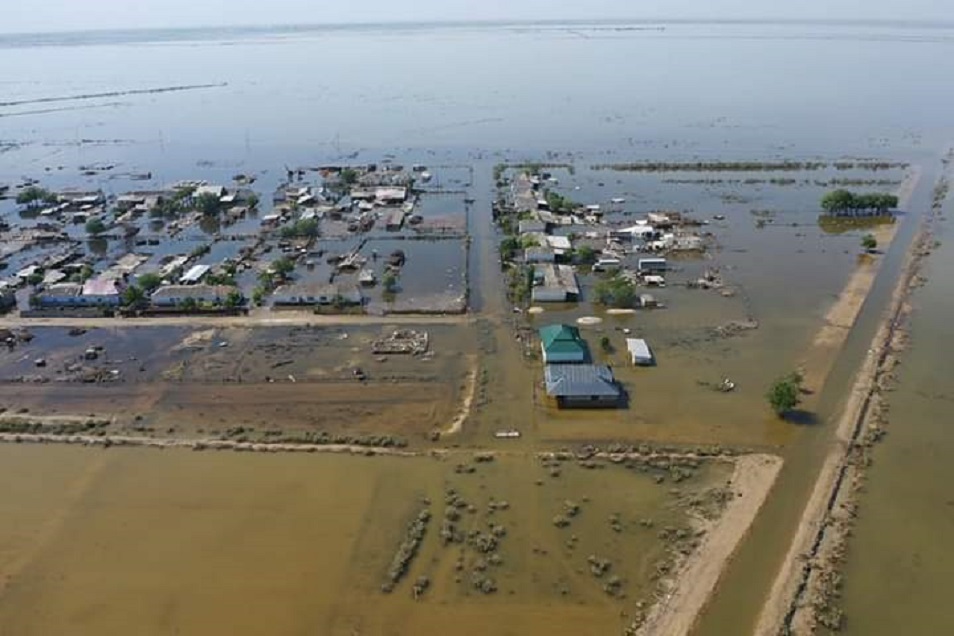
(751, 483)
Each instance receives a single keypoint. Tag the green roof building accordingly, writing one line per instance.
(561, 344)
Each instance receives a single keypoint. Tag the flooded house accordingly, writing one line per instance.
(317, 294)
(554, 284)
(175, 295)
(583, 386)
(562, 344)
(652, 265)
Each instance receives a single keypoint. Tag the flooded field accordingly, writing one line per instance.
(96, 541)
(119, 525)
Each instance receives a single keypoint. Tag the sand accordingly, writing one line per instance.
(751, 482)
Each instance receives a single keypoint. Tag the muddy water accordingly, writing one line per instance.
(741, 592)
(139, 541)
(900, 560)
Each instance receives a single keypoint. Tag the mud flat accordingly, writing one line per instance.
(751, 482)
(800, 597)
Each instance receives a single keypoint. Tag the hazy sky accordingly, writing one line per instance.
(66, 15)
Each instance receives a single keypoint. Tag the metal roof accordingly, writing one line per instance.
(580, 380)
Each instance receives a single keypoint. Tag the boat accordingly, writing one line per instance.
(618, 200)
(507, 434)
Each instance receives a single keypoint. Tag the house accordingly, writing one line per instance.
(639, 231)
(194, 275)
(531, 226)
(660, 220)
(394, 220)
(688, 243)
(535, 255)
(651, 265)
(640, 352)
(175, 295)
(559, 244)
(101, 291)
(60, 295)
(648, 301)
(582, 386)
(309, 294)
(562, 344)
(554, 284)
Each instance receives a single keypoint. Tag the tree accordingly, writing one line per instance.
(95, 226)
(606, 344)
(252, 201)
(869, 242)
(33, 196)
(149, 282)
(302, 228)
(283, 267)
(616, 292)
(234, 299)
(509, 247)
(208, 204)
(784, 394)
(349, 176)
(389, 282)
(189, 304)
(134, 296)
(585, 255)
(837, 201)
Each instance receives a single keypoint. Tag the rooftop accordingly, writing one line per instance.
(580, 380)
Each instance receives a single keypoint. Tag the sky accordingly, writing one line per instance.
(29, 16)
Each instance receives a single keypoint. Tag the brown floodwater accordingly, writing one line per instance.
(897, 578)
(155, 542)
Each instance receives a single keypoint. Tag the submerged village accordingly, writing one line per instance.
(590, 317)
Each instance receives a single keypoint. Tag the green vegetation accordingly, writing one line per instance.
(606, 344)
(784, 394)
(85, 273)
(252, 201)
(519, 284)
(869, 243)
(258, 295)
(33, 196)
(95, 227)
(200, 251)
(558, 203)
(841, 201)
(149, 282)
(617, 292)
(134, 296)
(220, 278)
(234, 299)
(389, 282)
(283, 267)
(302, 228)
(509, 248)
(189, 304)
(584, 255)
(349, 176)
(208, 204)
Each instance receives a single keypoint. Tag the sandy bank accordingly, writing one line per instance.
(259, 318)
(698, 575)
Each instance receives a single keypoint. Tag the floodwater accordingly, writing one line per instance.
(899, 561)
(98, 543)
(114, 542)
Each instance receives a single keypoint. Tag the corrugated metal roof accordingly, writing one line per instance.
(580, 380)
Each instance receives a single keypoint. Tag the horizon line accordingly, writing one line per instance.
(645, 20)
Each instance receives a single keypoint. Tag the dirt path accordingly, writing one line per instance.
(676, 613)
(785, 605)
(262, 318)
(470, 391)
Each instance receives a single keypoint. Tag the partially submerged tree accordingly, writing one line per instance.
(134, 296)
(33, 196)
(95, 227)
(617, 292)
(208, 204)
(785, 393)
(149, 282)
(869, 243)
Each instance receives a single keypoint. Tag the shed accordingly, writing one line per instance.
(648, 301)
(562, 344)
(652, 265)
(539, 255)
(582, 386)
(195, 274)
(640, 352)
